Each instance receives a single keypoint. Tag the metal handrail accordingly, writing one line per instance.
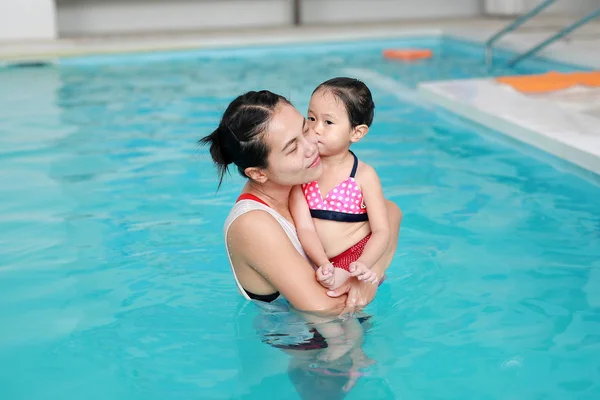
(553, 38)
(512, 26)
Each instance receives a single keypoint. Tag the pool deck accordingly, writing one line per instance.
(564, 123)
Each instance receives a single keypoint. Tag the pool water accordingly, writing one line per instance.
(114, 281)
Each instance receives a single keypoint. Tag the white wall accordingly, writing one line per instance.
(41, 19)
(77, 17)
(575, 8)
(327, 11)
(27, 19)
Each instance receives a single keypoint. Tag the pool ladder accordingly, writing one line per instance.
(525, 17)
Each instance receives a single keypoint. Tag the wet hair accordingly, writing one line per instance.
(356, 97)
(239, 137)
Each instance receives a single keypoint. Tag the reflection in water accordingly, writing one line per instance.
(313, 375)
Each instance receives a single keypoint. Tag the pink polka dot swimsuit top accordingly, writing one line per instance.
(343, 203)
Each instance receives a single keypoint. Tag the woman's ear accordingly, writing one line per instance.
(256, 174)
(359, 132)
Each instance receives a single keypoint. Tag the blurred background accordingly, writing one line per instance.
(52, 19)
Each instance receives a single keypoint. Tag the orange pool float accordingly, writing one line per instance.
(551, 81)
(539, 83)
(407, 54)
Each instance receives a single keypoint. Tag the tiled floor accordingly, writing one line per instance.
(580, 99)
(564, 131)
(565, 123)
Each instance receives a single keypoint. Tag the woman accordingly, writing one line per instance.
(271, 144)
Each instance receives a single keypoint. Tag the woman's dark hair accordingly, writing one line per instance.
(356, 97)
(238, 138)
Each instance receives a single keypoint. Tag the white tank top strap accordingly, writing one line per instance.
(242, 207)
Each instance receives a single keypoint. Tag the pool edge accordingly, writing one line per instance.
(539, 124)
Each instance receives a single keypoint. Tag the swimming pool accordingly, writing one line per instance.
(114, 277)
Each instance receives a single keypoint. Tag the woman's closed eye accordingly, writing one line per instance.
(292, 149)
(306, 129)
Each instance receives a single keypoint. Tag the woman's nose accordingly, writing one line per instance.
(311, 143)
(311, 136)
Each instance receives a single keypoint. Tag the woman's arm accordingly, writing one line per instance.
(258, 239)
(305, 228)
(378, 217)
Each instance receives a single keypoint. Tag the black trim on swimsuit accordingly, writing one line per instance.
(267, 298)
(338, 216)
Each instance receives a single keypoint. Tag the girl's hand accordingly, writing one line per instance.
(325, 275)
(362, 272)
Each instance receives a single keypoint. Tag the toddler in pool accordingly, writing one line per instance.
(341, 219)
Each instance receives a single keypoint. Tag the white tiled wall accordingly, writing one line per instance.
(328, 11)
(113, 16)
(35, 19)
(27, 19)
(77, 17)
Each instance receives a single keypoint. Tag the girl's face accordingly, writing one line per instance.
(328, 117)
(293, 157)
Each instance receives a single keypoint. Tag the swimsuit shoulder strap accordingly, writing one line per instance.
(355, 166)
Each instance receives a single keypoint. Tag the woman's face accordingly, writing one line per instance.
(294, 156)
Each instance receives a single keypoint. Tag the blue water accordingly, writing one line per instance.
(114, 282)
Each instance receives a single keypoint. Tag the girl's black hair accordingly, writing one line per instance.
(356, 97)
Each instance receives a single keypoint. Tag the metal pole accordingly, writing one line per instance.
(564, 32)
(514, 25)
(297, 10)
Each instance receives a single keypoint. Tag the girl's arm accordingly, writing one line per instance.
(378, 216)
(258, 240)
(305, 228)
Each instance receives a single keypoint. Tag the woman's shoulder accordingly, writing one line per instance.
(253, 220)
(258, 236)
(248, 217)
(250, 221)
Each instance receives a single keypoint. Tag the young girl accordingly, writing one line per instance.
(341, 219)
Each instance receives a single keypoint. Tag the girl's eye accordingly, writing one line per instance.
(329, 122)
(312, 119)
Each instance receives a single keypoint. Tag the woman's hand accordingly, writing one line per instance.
(359, 294)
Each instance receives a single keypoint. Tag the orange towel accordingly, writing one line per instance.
(407, 54)
(588, 78)
(551, 81)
